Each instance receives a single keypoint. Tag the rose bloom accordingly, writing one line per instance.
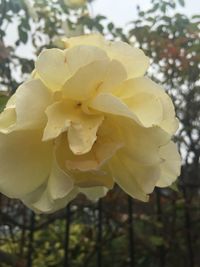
(75, 3)
(88, 118)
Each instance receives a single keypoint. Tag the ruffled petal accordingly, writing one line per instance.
(110, 104)
(27, 109)
(12, 101)
(170, 167)
(91, 178)
(135, 90)
(89, 40)
(86, 82)
(55, 66)
(102, 151)
(59, 184)
(125, 176)
(83, 134)
(82, 128)
(41, 202)
(94, 193)
(54, 194)
(141, 144)
(83, 169)
(57, 120)
(148, 108)
(32, 98)
(7, 120)
(115, 76)
(133, 59)
(25, 162)
(108, 142)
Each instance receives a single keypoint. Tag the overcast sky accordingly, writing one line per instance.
(122, 11)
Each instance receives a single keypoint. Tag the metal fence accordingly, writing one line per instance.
(116, 231)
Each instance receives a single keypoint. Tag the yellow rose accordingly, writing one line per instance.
(87, 119)
(75, 3)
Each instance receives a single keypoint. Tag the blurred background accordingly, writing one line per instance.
(117, 231)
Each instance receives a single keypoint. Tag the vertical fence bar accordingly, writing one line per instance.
(67, 236)
(188, 229)
(31, 240)
(161, 249)
(99, 234)
(131, 232)
(23, 234)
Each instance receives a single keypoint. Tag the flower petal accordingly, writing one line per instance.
(41, 202)
(11, 102)
(135, 88)
(58, 121)
(98, 76)
(54, 194)
(90, 169)
(102, 151)
(125, 176)
(148, 108)
(133, 59)
(52, 68)
(7, 120)
(89, 40)
(32, 98)
(55, 66)
(25, 162)
(94, 193)
(115, 75)
(108, 103)
(94, 178)
(60, 184)
(68, 116)
(108, 142)
(86, 81)
(27, 111)
(82, 169)
(170, 167)
(82, 134)
(141, 144)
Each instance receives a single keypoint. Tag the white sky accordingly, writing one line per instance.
(122, 11)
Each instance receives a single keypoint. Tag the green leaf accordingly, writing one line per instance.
(174, 187)
(155, 8)
(110, 26)
(3, 101)
(156, 240)
(163, 8)
(25, 24)
(23, 35)
(181, 2)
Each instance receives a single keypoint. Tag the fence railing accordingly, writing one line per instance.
(115, 231)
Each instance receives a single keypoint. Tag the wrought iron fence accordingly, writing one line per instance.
(116, 231)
